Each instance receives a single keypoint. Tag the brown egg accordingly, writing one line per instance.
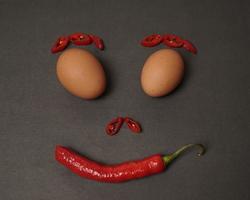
(162, 72)
(81, 73)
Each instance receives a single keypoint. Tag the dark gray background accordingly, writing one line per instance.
(210, 107)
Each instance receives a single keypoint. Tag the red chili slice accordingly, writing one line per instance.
(61, 43)
(172, 40)
(133, 125)
(80, 39)
(97, 41)
(151, 40)
(114, 126)
(189, 46)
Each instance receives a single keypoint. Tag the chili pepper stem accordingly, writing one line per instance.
(169, 158)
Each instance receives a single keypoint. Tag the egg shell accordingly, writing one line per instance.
(162, 72)
(81, 73)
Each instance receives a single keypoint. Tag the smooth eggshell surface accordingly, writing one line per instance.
(162, 72)
(81, 73)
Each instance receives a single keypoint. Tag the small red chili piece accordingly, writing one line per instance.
(114, 126)
(60, 44)
(151, 40)
(172, 40)
(80, 39)
(189, 46)
(97, 41)
(133, 125)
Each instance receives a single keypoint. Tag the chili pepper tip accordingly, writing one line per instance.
(169, 158)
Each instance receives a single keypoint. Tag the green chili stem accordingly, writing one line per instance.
(169, 158)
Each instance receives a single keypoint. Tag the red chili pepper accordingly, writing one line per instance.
(114, 126)
(60, 44)
(80, 39)
(172, 40)
(189, 46)
(133, 125)
(97, 41)
(116, 173)
(151, 40)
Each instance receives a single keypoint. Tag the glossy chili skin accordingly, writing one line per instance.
(80, 39)
(97, 41)
(60, 44)
(151, 40)
(117, 173)
(133, 125)
(189, 46)
(114, 126)
(172, 41)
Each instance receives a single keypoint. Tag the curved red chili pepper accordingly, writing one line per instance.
(114, 126)
(133, 125)
(80, 39)
(151, 40)
(97, 41)
(172, 40)
(60, 44)
(189, 46)
(116, 173)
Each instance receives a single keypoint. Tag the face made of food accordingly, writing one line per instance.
(83, 75)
